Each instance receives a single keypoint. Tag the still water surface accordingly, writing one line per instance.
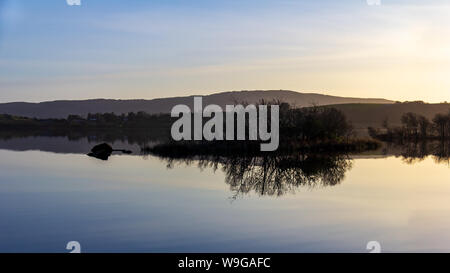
(134, 203)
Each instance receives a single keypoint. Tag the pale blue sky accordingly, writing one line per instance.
(146, 49)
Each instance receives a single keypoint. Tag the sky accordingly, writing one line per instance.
(49, 50)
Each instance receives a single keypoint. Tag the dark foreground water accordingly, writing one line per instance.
(134, 203)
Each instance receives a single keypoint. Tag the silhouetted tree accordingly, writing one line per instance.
(441, 123)
(411, 123)
(424, 126)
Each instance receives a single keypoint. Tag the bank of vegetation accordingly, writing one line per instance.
(312, 129)
(414, 128)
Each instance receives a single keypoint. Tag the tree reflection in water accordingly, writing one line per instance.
(414, 152)
(270, 175)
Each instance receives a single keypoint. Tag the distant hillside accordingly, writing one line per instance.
(364, 115)
(61, 109)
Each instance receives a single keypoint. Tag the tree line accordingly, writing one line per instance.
(314, 124)
(300, 127)
(415, 127)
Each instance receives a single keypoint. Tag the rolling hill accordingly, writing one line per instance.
(374, 114)
(365, 115)
(360, 111)
(61, 109)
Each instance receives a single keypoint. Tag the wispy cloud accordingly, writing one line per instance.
(347, 48)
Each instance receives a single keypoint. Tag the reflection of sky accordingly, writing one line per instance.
(147, 49)
(132, 204)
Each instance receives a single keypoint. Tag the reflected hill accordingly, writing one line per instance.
(62, 145)
(246, 171)
(139, 143)
(80, 142)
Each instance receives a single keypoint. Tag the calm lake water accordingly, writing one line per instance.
(133, 203)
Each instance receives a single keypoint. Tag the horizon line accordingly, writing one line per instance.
(213, 93)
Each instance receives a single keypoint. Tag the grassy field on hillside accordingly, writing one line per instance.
(373, 115)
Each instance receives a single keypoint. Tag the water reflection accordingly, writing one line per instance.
(78, 141)
(414, 152)
(271, 175)
(266, 175)
(128, 204)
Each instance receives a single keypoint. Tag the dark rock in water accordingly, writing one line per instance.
(103, 151)
(104, 147)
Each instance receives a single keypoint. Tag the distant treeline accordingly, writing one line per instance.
(414, 128)
(104, 120)
(307, 127)
(306, 124)
(139, 128)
